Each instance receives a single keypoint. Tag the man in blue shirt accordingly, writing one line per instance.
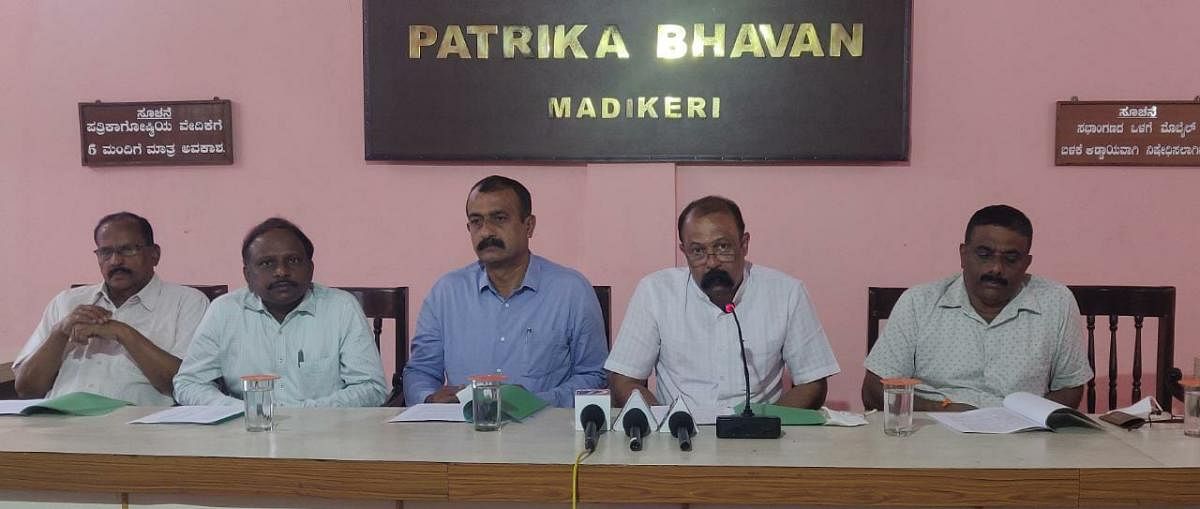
(512, 312)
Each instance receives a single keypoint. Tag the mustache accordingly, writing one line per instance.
(992, 278)
(489, 242)
(120, 270)
(282, 283)
(716, 277)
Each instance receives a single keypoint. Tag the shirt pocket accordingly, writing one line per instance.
(319, 374)
(546, 352)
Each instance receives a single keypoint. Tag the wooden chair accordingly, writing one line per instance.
(380, 304)
(1138, 302)
(210, 291)
(604, 295)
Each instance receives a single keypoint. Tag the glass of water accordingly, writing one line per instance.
(898, 406)
(485, 402)
(258, 392)
(1191, 406)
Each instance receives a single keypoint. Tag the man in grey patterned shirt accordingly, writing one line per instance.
(992, 330)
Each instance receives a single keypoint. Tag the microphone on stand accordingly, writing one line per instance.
(636, 426)
(682, 427)
(592, 410)
(637, 420)
(746, 425)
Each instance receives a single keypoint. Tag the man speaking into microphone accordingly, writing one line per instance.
(677, 324)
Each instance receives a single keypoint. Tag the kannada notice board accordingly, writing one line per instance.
(1127, 133)
(161, 133)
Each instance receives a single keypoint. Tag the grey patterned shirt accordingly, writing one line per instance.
(1034, 345)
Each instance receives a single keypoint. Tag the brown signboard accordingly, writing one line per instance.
(1127, 133)
(156, 133)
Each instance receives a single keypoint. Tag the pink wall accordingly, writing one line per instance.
(985, 78)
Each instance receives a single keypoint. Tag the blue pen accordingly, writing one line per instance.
(299, 359)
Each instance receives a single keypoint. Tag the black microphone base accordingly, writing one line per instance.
(758, 426)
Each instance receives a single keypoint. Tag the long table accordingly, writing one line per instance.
(355, 454)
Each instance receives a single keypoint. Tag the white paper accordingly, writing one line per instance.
(985, 420)
(431, 412)
(13, 407)
(840, 418)
(190, 415)
(1035, 408)
(1141, 408)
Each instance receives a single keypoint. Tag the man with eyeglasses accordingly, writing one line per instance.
(992, 330)
(315, 338)
(681, 323)
(511, 312)
(122, 338)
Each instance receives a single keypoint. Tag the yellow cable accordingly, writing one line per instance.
(575, 478)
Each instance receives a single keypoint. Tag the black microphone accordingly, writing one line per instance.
(593, 420)
(682, 427)
(747, 425)
(636, 426)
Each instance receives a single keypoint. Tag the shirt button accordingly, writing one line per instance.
(506, 305)
(501, 339)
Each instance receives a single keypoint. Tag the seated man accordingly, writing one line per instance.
(122, 338)
(511, 312)
(975, 337)
(314, 338)
(677, 324)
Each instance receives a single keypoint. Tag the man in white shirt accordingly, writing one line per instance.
(677, 324)
(122, 338)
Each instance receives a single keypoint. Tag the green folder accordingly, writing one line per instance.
(516, 404)
(76, 403)
(789, 416)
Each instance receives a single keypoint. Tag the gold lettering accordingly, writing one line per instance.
(611, 42)
(671, 43)
(481, 33)
(609, 107)
(717, 41)
(564, 39)
(807, 40)
(646, 107)
(629, 108)
(453, 42)
(695, 107)
(420, 36)
(776, 48)
(838, 38)
(560, 107)
(746, 40)
(516, 38)
(716, 107)
(543, 41)
(671, 107)
(586, 108)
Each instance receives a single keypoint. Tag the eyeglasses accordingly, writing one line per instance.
(104, 253)
(724, 252)
(986, 255)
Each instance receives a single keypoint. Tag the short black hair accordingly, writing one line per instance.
(141, 222)
(493, 183)
(275, 223)
(1003, 216)
(711, 205)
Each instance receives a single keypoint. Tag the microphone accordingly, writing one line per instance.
(636, 426)
(746, 425)
(592, 410)
(637, 420)
(593, 419)
(682, 427)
